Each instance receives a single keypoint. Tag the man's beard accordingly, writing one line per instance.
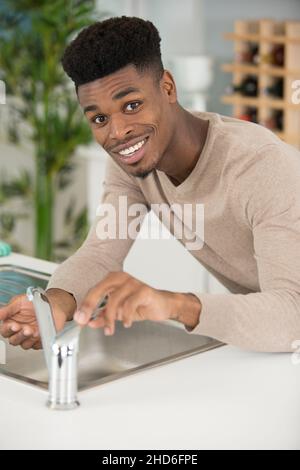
(143, 174)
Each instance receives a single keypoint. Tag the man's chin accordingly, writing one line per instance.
(143, 174)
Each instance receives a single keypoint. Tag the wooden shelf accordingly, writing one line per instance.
(290, 138)
(257, 102)
(258, 38)
(260, 69)
(265, 33)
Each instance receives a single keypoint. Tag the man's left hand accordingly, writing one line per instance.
(129, 300)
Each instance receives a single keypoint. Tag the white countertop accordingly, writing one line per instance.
(222, 399)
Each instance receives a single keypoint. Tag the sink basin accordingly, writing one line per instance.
(103, 358)
(15, 280)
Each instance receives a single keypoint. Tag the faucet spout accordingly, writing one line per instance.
(63, 382)
(60, 350)
(61, 353)
(45, 320)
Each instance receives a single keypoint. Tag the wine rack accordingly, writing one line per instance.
(282, 39)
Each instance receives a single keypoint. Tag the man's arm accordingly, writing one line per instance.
(188, 310)
(97, 257)
(64, 300)
(269, 320)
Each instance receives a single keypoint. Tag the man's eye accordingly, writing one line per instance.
(134, 105)
(99, 119)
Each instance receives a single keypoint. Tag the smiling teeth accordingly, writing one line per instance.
(132, 149)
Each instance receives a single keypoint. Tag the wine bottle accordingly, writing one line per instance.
(278, 55)
(275, 56)
(250, 55)
(276, 89)
(250, 114)
(275, 121)
(247, 87)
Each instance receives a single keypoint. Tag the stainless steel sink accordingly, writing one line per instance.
(15, 280)
(103, 358)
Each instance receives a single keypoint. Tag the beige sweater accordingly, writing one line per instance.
(249, 183)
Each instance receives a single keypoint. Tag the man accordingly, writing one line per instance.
(159, 153)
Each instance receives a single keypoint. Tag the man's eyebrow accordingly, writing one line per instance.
(91, 107)
(117, 96)
(125, 92)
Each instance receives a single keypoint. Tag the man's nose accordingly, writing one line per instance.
(119, 127)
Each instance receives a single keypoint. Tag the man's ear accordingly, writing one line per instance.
(168, 86)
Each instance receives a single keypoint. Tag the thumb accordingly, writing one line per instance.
(6, 312)
(10, 309)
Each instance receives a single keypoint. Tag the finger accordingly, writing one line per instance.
(28, 343)
(36, 334)
(89, 304)
(37, 345)
(8, 329)
(29, 330)
(114, 306)
(99, 322)
(17, 339)
(132, 309)
(4, 312)
(127, 312)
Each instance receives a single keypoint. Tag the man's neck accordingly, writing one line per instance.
(189, 140)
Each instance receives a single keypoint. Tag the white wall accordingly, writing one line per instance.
(197, 27)
(181, 23)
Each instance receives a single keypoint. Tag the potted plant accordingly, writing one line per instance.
(41, 99)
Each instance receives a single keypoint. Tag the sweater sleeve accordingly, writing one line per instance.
(268, 194)
(106, 245)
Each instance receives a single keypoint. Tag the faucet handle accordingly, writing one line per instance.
(99, 307)
(60, 350)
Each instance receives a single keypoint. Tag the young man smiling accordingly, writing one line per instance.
(159, 153)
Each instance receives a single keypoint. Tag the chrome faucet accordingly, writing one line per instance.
(60, 350)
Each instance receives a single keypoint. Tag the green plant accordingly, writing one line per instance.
(75, 230)
(33, 36)
(17, 188)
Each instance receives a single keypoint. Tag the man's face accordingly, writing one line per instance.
(131, 117)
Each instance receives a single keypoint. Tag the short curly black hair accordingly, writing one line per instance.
(105, 47)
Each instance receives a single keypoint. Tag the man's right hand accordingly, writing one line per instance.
(20, 323)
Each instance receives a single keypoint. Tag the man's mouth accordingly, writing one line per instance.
(134, 153)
